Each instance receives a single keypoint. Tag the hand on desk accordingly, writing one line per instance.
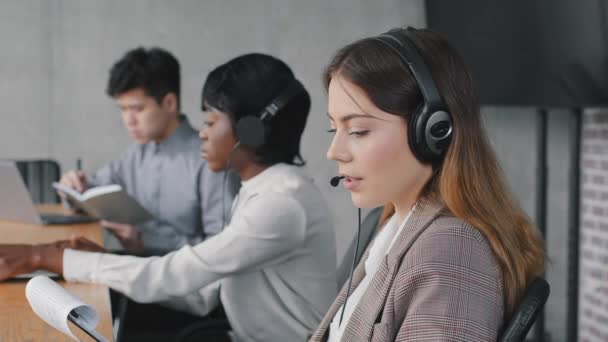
(84, 244)
(15, 259)
(128, 235)
(21, 258)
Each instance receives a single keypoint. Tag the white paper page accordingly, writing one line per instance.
(68, 191)
(52, 303)
(100, 190)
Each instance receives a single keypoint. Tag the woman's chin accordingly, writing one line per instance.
(363, 202)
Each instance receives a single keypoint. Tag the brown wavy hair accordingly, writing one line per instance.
(468, 181)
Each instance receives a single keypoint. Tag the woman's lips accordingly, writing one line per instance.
(351, 183)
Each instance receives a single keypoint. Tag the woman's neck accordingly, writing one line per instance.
(411, 193)
(404, 204)
(402, 208)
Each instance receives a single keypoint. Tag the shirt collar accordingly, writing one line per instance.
(182, 133)
(268, 175)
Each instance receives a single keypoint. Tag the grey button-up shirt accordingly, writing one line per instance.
(174, 184)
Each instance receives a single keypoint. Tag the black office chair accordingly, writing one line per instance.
(217, 329)
(524, 316)
(38, 176)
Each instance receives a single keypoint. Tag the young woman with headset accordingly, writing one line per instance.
(455, 252)
(273, 266)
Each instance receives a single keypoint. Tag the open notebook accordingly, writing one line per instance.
(109, 202)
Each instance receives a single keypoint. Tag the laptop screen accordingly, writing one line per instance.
(15, 201)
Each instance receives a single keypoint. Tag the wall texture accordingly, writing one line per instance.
(593, 295)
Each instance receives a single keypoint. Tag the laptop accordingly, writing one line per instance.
(17, 205)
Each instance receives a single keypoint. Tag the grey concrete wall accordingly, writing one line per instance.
(25, 88)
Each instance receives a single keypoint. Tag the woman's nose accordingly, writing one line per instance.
(337, 150)
(202, 133)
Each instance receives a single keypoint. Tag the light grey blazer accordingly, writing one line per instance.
(439, 282)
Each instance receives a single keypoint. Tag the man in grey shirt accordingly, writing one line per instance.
(163, 169)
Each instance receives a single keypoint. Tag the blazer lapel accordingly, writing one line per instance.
(424, 213)
(361, 323)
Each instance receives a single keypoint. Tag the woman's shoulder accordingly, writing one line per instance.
(451, 227)
(451, 248)
(451, 240)
(290, 181)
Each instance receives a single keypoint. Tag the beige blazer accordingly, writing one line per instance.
(439, 282)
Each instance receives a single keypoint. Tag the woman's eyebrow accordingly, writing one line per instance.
(349, 117)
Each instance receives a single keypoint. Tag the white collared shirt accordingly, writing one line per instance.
(273, 265)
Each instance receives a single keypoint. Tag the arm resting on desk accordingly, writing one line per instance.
(255, 238)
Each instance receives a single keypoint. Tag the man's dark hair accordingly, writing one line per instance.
(245, 86)
(154, 70)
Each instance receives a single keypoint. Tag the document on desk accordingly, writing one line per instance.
(55, 305)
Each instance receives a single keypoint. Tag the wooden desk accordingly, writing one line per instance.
(17, 320)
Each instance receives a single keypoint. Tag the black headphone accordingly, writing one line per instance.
(430, 127)
(252, 130)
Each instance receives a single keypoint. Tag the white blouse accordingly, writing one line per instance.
(274, 262)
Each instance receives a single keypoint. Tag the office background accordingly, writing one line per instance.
(56, 56)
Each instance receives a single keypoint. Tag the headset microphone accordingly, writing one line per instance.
(334, 181)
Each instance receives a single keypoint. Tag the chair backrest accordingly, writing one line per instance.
(38, 176)
(368, 230)
(524, 316)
